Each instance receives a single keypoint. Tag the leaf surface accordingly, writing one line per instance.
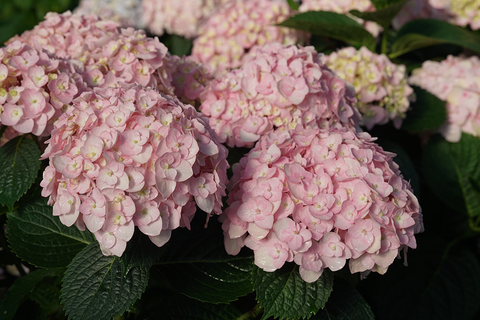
(284, 294)
(20, 163)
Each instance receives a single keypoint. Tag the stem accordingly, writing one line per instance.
(252, 314)
(384, 41)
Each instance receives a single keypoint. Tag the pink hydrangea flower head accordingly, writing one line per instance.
(35, 88)
(456, 81)
(381, 87)
(277, 86)
(130, 156)
(344, 7)
(126, 13)
(236, 27)
(338, 199)
(104, 53)
(183, 18)
(418, 9)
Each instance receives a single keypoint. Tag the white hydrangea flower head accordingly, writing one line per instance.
(182, 18)
(381, 86)
(127, 13)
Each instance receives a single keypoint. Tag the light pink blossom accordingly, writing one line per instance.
(321, 216)
(98, 175)
(241, 109)
(454, 80)
(236, 27)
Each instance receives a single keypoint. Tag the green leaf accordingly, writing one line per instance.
(382, 16)
(202, 269)
(427, 112)
(38, 237)
(428, 32)
(293, 5)
(332, 25)
(96, 287)
(471, 196)
(47, 296)
(20, 163)
(179, 307)
(21, 289)
(284, 294)
(141, 252)
(345, 303)
(381, 4)
(450, 169)
(24, 5)
(177, 45)
(437, 284)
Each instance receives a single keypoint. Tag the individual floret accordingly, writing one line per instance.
(105, 54)
(238, 26)
(381, 87)
(344, 7)
(277, 86)
(35, 86)
(128, 156)
(319, 197)
(183, 18)
(455, 80)
(127, 13)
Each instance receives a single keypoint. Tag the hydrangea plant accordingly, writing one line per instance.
(119, 201)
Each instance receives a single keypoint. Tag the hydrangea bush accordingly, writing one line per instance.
(234, 171)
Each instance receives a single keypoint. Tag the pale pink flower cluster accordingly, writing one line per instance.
(461, 12)
(418, 9)
(455, 80)
(103, 53)
(130, 156)
(344, 7)
(381, 86)
(184, 18)
(34, 88)
(277, 86)
(239, 25)
(319, 197)
(189, 78)
(127, 13)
